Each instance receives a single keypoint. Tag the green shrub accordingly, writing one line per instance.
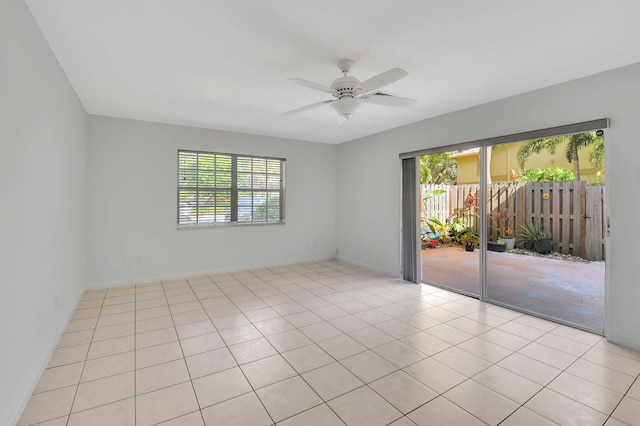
(550, 174)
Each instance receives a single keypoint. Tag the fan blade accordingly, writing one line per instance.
(388, 100)
(381, 80)
(304, 108)
(314, 86)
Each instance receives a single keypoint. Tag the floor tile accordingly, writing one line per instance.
(564, 344)
(273, 326)
(341, 346)
(115, 319)
(165, 404)
(158, 354)
(103, 391)
(442, 412)
(252, 350)
(462, 361)
(586, 392)
(154, 324)
(221, 386)
(403, 391)
(529, 368)
(426, 343)
(120, 413)
(614, 361)
(203, 343)
(302, 319)
(111, 347)
(547, 355)
(244, 410)
(508, 384)
(267, 371)
(59, 377)
(364, 407)
(485, 349)
(525, 417)
(449, 334)
(70, 355)
(320, 415)
(399, 354)
(75, 338)
(307, 358)
(371, 337)
(156, 337)
(48, 405)
(368, 366)
(161, 376)
(348, 323)
(435, 375)
(210, 362)
(603, 376)
(240, 334)
(108, 366)
(113, 331)
(289, 340)
(628, 411)
(332, 380)
(563, 410)
(482, 402)
(193, 329)
(504, 339)
(287, 398)
(320, 331)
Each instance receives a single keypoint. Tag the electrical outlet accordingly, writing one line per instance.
(55, 302)
(138, 259)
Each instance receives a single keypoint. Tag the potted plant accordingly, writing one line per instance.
(535, 234)
(505, 233)
(509, 238)
(469, 240)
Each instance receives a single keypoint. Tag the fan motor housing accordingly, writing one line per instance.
(345, 85)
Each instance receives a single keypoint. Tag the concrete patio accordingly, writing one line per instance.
(569, 291)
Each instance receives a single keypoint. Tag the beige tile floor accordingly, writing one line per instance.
(324, 344)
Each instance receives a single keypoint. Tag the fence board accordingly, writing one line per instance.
(562, 213)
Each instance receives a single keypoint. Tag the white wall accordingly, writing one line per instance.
(132, 197)
(42, 233)
(368, 190)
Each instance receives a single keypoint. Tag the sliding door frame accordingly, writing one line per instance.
(409, 258)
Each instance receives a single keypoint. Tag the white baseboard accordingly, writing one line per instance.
(372, 267)
(164, 277)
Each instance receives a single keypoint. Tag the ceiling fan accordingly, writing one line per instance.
(349, 93)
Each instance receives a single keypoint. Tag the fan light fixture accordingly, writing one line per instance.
(349, 93)
(346, 106)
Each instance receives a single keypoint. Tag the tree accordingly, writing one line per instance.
(438, 168)
(573, 143)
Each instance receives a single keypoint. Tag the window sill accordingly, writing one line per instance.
(226, 225)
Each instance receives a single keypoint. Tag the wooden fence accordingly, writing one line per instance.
(572, 211)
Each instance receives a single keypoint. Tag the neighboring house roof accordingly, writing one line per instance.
(466, 153)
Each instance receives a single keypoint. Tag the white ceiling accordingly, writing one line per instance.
(223, 64)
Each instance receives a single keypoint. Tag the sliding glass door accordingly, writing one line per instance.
(519, 222)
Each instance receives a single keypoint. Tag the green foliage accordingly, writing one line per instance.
(438, 168)
(470, 237)
(573, 144)
(596, 155)
(432, 193)
(532, 232)
(550, 174)
(535, 147)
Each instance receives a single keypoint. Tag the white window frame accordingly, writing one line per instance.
(243, 190)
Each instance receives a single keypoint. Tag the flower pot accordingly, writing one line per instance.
(469, 247)
(493, 246)
(510, 243)
(543, 246)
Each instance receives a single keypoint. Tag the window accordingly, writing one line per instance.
(229, 188)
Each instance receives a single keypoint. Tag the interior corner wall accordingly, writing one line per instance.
(42, 232)
(368, 194)
(132, 232)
